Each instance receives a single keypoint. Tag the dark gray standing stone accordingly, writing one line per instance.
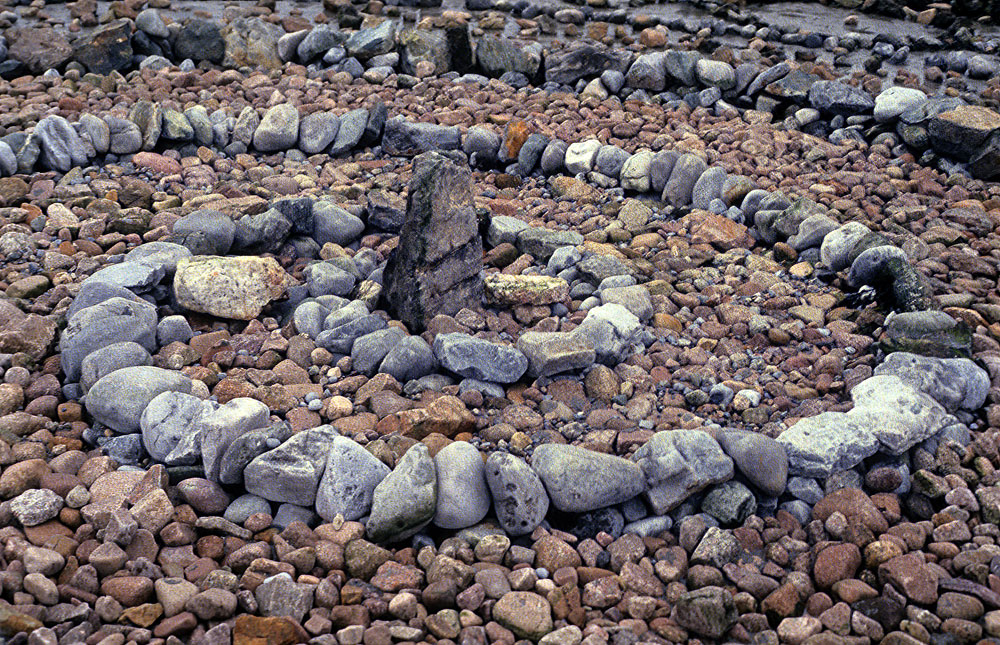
(531, 153)
(375, 124)
(519, 497)
(407, 139)
(708, 187)
(149, 119)
(478, 358)
(366, 43)
(176, 126)
(683, 177)
(205, 232)
(159, 255)
(8, 160)
(369, 350)
(317, 131)
(709, 611)
(246, 124)
(118, 399)
(200, 40)
(261, 233)
(483, 143)
(681, 65)
(554, 157)
(579, 480)
(318, 41)
(541, 243)
(730, 503)
(648, 72)
(348, 481)
(404, 502)
(436, 267)
(609, 161)
(840, 98)
(105, 49)
(352, 128)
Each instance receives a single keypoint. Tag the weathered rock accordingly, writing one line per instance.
(278, 130)
(762, 460)
(349, 480)
(463, 495)
(291, 472)
(106, 49)
(410, 138)
(436, 269)
(229, 287)
(953, 382)
(499, 55)
(551, 353)
(709, 611)
(168, 430)
(579, 480)
(519, 497)
(477, 358)
(526, 614)
(679, 463)
(118, 399)
(404, 502)
(582, 60)
(251, 42)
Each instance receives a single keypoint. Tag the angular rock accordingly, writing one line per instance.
(583, 60)
(960, 132)
(404, 502)
(678, 463)
(709, 611)
(436, 268)
(291, 472)
(685, 174)
(404, 138)
(229, 287)
(840, 98)
(478, 358)
(900, 415)
(218, 429)
(109, 321)
(251, 42)
(349, 480)
(953, 382)
(169, 430)
(497, 56)
(827, 443)
(106, 49)
(550, 353)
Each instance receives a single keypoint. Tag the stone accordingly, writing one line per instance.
(496, 56)
(261, 233)
(683, 177)
(291, 472)
(124, 137)
(108, 321)
(580, 156)
(366, 43)
(730, 503)
(350, 476)
(525, 613)
(519, 497)
(35, 506)
(930, 333)
(137, 276)
(349, 132)
(403, 138)
(871, 266)
(436, 269)
(168, 431)
(118, 399)
(837, 246)
(835, 97)
(550, 353)
(109, 358)
(61, 146)
(648, 72)
(960, 132)
(762, 460)
(634, 298)
(512, 290)
(955, 383)
(635, 174)
(159, 255)
(106, 49)
(39, 48)
(409, 359)
(463, 496)
(893, 101)
(200, 40)
(578, 480)
(205, 232)
(317, 131)
(584, 60)
(316, 42)
(715, 73)
(246, 443)
(28, 333)
(280, 595)
(404, 502)
(829, 442)
(541, 243)
(229, 287)
(278, 130)
(477, 358)
(332, 224)
(900, 415)
(911, 575)
(251, 42)
(678, 463)
(709, 611)
(835, 563)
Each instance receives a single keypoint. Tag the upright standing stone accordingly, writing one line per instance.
(436, 269)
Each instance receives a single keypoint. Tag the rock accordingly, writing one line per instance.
(200, 40)
(960, 132)
(513, 290)
(635, 174)
(685, 174)
(246, 124)
(541, 243)
(583, 60)
(730, 503)
(499, 55)
(463, 496)
(893, 101)
(840, 98)
(324, 279)
(124, 137)
(911, 575)
(168, 427)
(634, 298)
(349, 132)
(409, 359)
(278, 130)
(580, 156)
(150, 22)
(484, 144)
(229, 287)
(33, 507)
(366, 43)
(317, 131)
(550, 353)
(404, 138)
(205, 232)
(333, 224)
(291, 472)
(827, 443)
(579, 480)
(39, 48)
(835, 563)
(708, 187)
(118, 399)
(519, 497)
(526, 614)
(61, 146)
(114, 320)
(762, 460)
(480, 359)
(835, 251)
(316, 42)
(247, 441)
(159, 255)
(137, 276)
(715, 73)
(279, 595)
(930, 333)
(404, 502)
(222, 426)
(436, 268)
(251, 42)
(349, 480)
(648, 72)
(424, 46)
(109, 358)
(716, 547)
(900, 415)
(678, 463)
(871, 266)
(953, 382)
(148, 117)
(709, 611)
(30, 333)
(553, 157)
(261, 233)
(369, 350)
(106, 49)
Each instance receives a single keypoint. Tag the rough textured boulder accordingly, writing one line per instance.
(436, 268)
